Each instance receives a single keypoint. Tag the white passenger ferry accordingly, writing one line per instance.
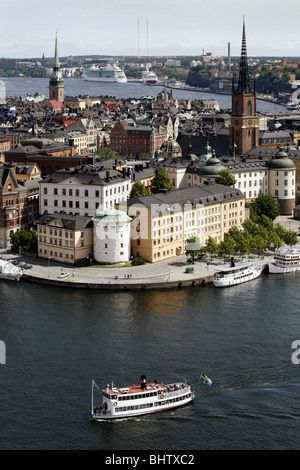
(236, 273)
(138, 400)
(285, 261)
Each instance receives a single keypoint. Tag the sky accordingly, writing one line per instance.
(155, 27)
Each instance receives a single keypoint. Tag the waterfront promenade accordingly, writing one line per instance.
(165, 274)
(168, 274)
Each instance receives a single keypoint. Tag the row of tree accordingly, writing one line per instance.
(259, 233)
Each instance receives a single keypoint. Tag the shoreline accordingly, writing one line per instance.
(169, 274)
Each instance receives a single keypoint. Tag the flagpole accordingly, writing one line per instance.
(92, 395)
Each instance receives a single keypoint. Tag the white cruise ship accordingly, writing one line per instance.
(137, 400)
(148, 76)
(236, 273)
(285, 261)
(109, 73)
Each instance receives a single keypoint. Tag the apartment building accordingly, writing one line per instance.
(163, 222)
(83, 190)
(64, 238)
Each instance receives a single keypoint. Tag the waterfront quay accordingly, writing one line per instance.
(168, 274)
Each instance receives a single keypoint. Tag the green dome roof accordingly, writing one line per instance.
(281, 161)
(212, 167)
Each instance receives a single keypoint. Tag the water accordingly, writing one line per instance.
(20, 86)
(57, 340)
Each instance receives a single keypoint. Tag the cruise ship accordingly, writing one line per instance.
(148, 76)
(108, 73)
(137, 400)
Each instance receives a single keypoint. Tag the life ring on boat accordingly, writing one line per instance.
(162, 396)
(115, 403)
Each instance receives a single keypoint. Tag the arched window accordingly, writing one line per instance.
(237, 108)
(249, 108)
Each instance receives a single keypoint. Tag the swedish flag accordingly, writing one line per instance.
(205, 380)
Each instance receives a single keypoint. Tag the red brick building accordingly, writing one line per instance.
(137, 141)
(13, 200)
(49, 155)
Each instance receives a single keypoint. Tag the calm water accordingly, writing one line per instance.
(75, 87)
(57, 340)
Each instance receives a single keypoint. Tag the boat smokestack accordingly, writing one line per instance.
(143, 382)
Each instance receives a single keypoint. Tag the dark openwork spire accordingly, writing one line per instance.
(244, 82)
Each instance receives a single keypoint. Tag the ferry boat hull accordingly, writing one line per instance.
(141, 400)
(236, 274)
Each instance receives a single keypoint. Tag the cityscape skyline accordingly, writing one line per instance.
(132, 28)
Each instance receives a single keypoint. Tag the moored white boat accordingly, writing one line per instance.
(286, 260)
(9, 271)
(137, 400)
(236, 273)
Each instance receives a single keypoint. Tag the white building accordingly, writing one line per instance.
(111, 235)
(81, 191)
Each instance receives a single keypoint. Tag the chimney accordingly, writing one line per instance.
(107, 176)
(143, 382)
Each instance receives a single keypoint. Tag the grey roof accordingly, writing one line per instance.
(204, 194)
(87, 174)
(68, 221)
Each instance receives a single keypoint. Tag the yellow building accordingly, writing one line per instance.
(163, 222)
(75, 102)
(65, 238)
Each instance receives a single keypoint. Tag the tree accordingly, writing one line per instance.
(265, 204)
(192, 247)
(225, 177)
(161, 181)
(106, 153)
(211, 246)
(138, 190)
(27, 241)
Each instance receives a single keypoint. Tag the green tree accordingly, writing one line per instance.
(265, 204)
(227, 246)
(192, 247)
(290, 237)
(225, 177)
(106, 153)
(24, 240)
(161, 181)
(138, 190)
(211, 246)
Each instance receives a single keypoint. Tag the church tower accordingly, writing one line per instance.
(56, 82)
(244, 129)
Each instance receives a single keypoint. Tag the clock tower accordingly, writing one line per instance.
(244, 129)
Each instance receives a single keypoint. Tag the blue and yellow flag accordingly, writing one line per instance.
(205, 380)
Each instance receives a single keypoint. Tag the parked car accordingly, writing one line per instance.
(63, 275)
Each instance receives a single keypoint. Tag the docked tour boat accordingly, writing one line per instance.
(236, 273)
(285, 261)
(9, 271)
(138, 400)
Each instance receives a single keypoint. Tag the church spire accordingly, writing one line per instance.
(244, 82)
(56, 61)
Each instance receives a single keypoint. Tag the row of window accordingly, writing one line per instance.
(150, 405)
